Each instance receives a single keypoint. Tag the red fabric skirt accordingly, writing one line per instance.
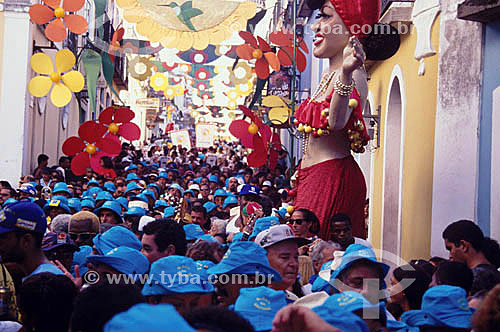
(330, 187)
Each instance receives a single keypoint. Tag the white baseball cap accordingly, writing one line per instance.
(267, 183)
(144, 221)
(337, 258)
(276, 234)
(194, 186)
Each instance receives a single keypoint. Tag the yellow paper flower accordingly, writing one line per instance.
(169, 92)
(65, 80)
(241, 74)
(244, 89)
(232, 104)
(178, 90)
(232, 94)
(280, 110)
(211, 22)
(159, 82)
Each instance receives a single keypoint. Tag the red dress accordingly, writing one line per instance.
(336, 185)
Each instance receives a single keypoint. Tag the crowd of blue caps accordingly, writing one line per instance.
(120, 249)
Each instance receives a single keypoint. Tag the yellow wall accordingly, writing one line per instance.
(418, 148)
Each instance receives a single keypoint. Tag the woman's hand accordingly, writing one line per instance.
(354, 57)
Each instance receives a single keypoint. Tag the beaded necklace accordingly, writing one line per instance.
(320, 90)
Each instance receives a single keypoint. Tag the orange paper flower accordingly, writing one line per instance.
(55, 14)
(258, 49)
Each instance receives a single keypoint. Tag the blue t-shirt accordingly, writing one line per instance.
(51, 268)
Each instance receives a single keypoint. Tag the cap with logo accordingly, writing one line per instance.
(116, 236)
(277, 234)
(248, 189)
(343, 320)
(53, 240)
(23, 215)
(354, 301)
(259, 305)
(176, 274)
(57, 201)
(229, 201)
(28, 188)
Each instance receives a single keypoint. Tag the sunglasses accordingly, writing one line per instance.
(298, 221)
(82, 236)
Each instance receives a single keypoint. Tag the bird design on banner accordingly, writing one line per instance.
(185, 13)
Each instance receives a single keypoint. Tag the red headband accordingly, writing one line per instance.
(358, 14)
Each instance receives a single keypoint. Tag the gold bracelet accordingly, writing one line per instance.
(343, 89)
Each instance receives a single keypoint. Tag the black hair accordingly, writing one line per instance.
(205, 251)
(485, 278)
(45, 296)
(362, 262)
(436, 260)
(107, 162)
(5, 184)
(267, 205)
(41, 158)
(217, 318)
(167, 232)
(454, 274)
(466, 230)
(341, 217)
(95, 305)
(416, 289)
(46, 170)
(200, 209)
(310, 216)
(63, 159)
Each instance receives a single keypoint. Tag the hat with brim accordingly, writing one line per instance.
(278, 234)
(325, 274)
(356, 252)
(312, 300)
(55, 203)
(123, 259)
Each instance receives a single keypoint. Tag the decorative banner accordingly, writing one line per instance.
(205, 135)
(200, 57)
(181, 137)
(186, 24)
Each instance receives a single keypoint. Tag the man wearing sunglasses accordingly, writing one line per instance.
(83, 227)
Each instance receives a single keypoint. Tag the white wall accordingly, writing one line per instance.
(495, 167)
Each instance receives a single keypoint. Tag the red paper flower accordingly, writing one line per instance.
(259, 50)
(118, 122)
(90, 147)
(55, 14)
(285, 55)
(115, 44)
(257, 136)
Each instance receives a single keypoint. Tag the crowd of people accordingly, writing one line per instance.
(170, 239)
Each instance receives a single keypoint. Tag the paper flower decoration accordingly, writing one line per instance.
(199, 57)
(244, 89)
(259, 50)
(56, 15)
(186, 24)
(117, 120)
(207, 95)
(140, 68)
(63, 78)
(285, 53)
(159, 82)
(114, 45)
(241, 74)
(257, 136)
(280, 110)
(90, 146)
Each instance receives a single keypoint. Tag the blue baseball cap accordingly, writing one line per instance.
(189, 191)
(135, 211)
(114, 206)
(92, 192)
(28, 188)
(160, 204)
(248, 189)
(163, 175)
(57, 201)
(75, 204)
(22, 215)
(123, 202)
(259, 305)
(131, 167)
(209, 206)
(154, 185)
(175, 274)
(87, 203)
(132, 186)
(178, 187)
(149, 193)
(213, 178)
(61, 187)
(110, 186)
(220, 193)
(343, 320)
(262, 224)
(207, 238)
(169, 212)
(123, 259)
(442, 305)
(353, 301)
(245, 257)
(229, 200)
(116, 236)
(147, 317)
(356, 252)
(104, 196)
(93, 183)
(193, 232)
(140, 197)
(132, 177)
(9, 201)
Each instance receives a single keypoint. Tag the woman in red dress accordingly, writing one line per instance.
(329, 180)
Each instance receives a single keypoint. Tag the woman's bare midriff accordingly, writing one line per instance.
(334, 146)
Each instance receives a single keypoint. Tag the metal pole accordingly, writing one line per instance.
(294, 68)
